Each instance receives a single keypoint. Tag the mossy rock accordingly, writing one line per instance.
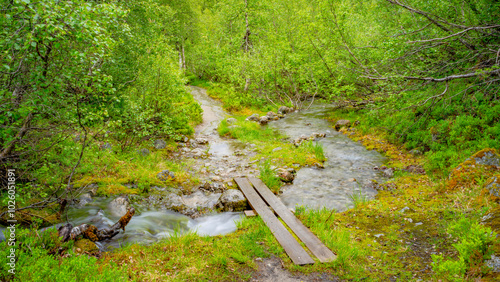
(485, 162)
(493, 186)
(86, 246)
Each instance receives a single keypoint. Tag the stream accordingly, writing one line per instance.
(348, 168)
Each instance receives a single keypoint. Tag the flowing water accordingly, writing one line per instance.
(150, 226)
(348, 169)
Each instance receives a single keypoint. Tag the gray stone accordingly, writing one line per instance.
(271, 115)
(199, 201)
(143, 152)
(277, 149)
(84, 199)
(285, 175)
(231, 120)
(263, 120)
(201, 141)
(342, 123)
(119, 206)
(389, 172)
(493, 186)
(283, 110)
(160, 144)
(92, 189)
(233, 200)
(494, 263)
(165, 175)
(254, 117)
(488, 157)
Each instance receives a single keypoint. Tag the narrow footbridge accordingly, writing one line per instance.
(262, 200)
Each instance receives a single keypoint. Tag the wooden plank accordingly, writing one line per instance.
(310, 240)
(294, 250)
(250, 213)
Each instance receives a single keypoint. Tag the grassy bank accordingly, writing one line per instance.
(420, 225)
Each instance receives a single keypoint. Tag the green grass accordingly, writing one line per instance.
(269, 177)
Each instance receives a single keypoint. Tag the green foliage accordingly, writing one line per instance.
(473, 247)
(39, 259)
(269, 177)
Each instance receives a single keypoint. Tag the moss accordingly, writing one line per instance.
(90, 233)
(86, 246)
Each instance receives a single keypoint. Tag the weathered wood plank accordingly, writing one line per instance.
(310, 240)
(294, 250)
(250, 213)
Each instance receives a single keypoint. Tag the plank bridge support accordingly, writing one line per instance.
(259, 198)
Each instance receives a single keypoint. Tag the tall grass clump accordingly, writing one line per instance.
(269, 177)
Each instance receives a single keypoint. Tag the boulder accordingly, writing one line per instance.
(165, 175)
(285, 175)
(160, 144)
(283, 110)
(483, 163)
(254, 117)
(263, 120)
(231, 121)
(342, 123)
(119, 206)
(84, 199)
(271, 115)
(233, 200)
(199, 202)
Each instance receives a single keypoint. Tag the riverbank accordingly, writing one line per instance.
(409, 231)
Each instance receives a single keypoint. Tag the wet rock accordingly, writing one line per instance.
(174, 202)
(231, 121)
(143, 152)
(119, 206)
(198, 153)
(92, 189)
(254, 117)
(233, 200)
(106, 146)
(342, 123)
(272, 115)
(201, 141)
(283, 110)
(165, 175)
(84, 199)
(263, 120)
(316, 135)
(285, 175)
(493, 186)
(199, 202)
(160, 144)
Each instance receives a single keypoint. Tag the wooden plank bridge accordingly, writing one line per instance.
(259, 197)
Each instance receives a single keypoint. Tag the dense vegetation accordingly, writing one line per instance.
(79, 75)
